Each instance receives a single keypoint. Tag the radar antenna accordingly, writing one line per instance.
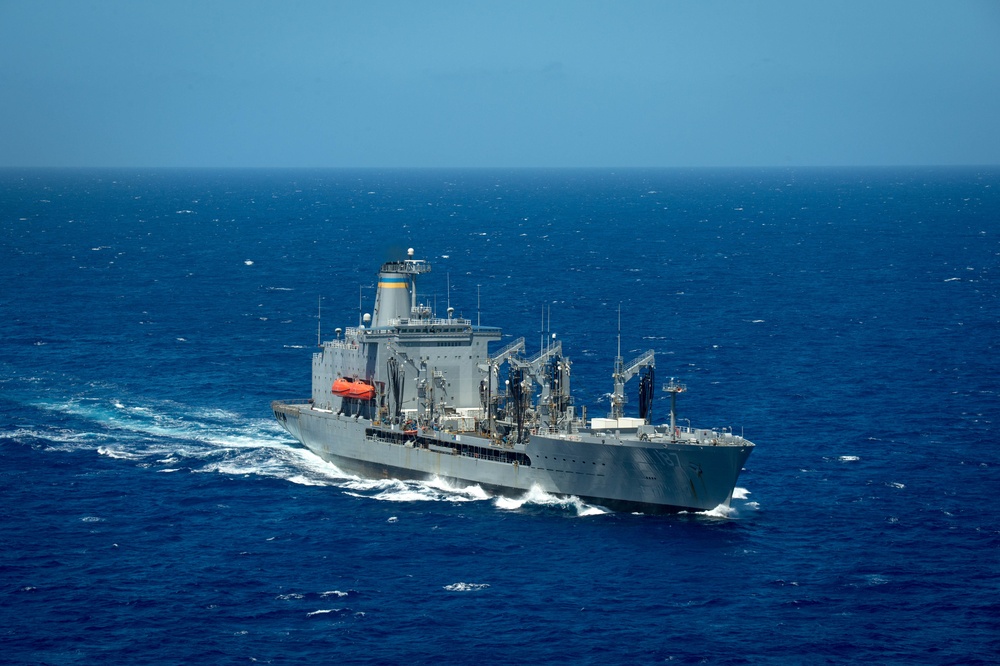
(673, 388)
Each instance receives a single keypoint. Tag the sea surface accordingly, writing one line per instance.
(846, 321)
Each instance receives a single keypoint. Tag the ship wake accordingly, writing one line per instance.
(166, 436)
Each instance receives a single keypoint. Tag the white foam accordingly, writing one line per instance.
(334, 593)
(116, 453)
(541, 498)
(323, 611)
(230, 430)
(722, 511)
(71, 439)
(508, 503)
(472, 493)
(849, 458)
(395, 490)
(740, 493)
(406, 495)
(307, 481)
(466, 587)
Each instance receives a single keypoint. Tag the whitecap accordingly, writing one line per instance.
(407, 495)
(306, 481)
(248, 262)
(466, 587)
(463, 493)
(740, 493)
(334, 593)
(849, 458)
(323, 611)
(116, 453)
(539, 497)
(721, 511)
(508, 503)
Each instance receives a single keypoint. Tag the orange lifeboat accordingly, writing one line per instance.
(353, 388)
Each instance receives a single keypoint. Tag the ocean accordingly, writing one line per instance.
(847, 321)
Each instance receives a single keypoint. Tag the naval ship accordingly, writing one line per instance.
(406, 394)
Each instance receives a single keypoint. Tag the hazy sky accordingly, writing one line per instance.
(560, 83)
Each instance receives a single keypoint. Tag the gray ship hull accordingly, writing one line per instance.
(407, 394)
(617, 472)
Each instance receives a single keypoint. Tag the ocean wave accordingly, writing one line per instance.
(466, 587)
(722, 512)
(119, 453)
(324, 611)
(538, 497)
(396, 490)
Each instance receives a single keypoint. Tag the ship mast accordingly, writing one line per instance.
(673, 388)
(623, 372)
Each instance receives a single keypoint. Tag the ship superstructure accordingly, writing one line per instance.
(406, 394)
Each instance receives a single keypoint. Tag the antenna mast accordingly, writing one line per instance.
(619, 330)
(319, 321)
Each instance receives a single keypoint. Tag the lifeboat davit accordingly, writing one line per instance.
(353, 388)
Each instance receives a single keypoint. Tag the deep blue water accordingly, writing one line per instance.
(847, 321)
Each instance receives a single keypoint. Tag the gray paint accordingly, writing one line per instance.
(444, 430)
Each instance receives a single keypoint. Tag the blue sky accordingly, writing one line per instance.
(499, 84)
